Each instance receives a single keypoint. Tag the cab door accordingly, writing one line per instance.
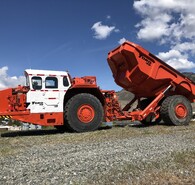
(52, 94)
(35, 97)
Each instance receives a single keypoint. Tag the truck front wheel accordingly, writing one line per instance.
(83, 112)
(176, 110)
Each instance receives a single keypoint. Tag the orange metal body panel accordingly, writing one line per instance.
(142, 73)
(44, 119)
(84, 82)
(13, 100)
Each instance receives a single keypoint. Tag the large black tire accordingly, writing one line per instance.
(176, 110)
(83, 113)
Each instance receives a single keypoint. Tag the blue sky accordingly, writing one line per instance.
(76, 35)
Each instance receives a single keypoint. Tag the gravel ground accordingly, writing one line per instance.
(130, 155)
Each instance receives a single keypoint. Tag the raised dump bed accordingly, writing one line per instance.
(168, 93)
(140, 72)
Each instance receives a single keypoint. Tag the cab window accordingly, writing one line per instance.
(65, 81)
(51, 82)
(36, 83)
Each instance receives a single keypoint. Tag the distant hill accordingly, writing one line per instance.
(190, 75)
(124, 97)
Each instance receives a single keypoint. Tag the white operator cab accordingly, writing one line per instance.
(47, 90)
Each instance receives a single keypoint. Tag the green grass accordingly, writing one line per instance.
(185, 158)
(179, 168)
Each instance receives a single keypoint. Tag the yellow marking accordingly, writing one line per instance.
(5, 116)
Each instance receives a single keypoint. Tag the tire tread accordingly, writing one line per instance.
(165, 110)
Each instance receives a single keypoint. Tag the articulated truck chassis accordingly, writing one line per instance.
(53, 98)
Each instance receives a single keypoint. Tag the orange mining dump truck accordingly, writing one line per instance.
(53, 98)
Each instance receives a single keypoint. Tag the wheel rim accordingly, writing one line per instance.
(181, 111)
(86, 113)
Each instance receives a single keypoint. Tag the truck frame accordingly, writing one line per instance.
(53, 98)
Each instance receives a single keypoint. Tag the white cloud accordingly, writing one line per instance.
(175, 59)
(7, 81)
(176, 18)
(121, 41)
(154, 28)
(116, 30)
(185, 47)
(108, 17)
(188, 25)
(101, 32)
(170, 22)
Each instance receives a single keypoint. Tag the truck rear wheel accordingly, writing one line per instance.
(83, 112)
(176, 110)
